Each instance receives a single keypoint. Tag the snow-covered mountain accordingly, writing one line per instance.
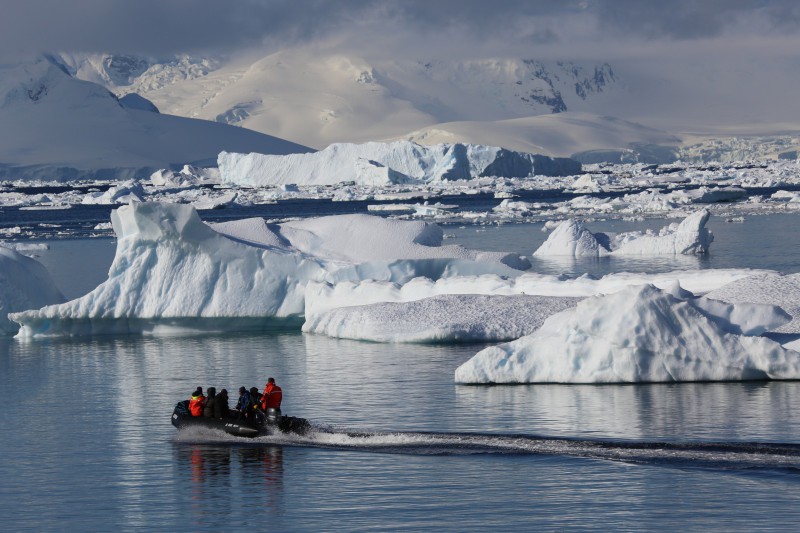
(319, 98)
(626, 110)
(57, 127)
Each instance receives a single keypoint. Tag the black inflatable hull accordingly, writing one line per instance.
(182, 418)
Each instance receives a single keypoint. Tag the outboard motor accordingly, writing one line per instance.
(273, 415)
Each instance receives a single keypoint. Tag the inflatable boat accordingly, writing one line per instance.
(267, 423)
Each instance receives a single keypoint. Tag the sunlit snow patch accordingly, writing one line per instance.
(640, 334)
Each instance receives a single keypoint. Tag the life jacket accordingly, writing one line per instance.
(196, 405)
(271, 399)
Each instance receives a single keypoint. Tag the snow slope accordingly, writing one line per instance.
(318, 97)
(24, 284)
(561, 134)
(56, 127)
(640, 334)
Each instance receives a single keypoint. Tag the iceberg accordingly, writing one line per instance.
(571, 238)
(173, 272)
(321, 297)
(639, 334)
(24, 283)
(766, 288)
(376, 163)
(445, 318)
(126, 192)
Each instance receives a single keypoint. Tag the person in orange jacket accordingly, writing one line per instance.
(197, 402)
(271, 399)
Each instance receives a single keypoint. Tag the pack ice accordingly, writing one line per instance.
(24, 284)
(640, 334)
(572, 238)
(171, 269)
(376, 163)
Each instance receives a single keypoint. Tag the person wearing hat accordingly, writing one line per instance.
(197, 402)
(208, 410)
(221, 404)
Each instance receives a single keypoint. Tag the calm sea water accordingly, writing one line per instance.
(86, 442)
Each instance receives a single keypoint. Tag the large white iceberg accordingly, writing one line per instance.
(171, 269)
(376, 163)
(445, 318)
(640, 334)
(24, 284)
(571, 238)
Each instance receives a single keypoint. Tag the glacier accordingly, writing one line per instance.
(572, 238)
(639, 334)
(24, 284)
(376, 163)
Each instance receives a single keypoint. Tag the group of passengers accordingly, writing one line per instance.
(216, 405)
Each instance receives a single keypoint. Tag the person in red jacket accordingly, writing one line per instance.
(197, 403)
(271, 399)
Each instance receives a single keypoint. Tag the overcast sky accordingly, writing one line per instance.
(568, 29)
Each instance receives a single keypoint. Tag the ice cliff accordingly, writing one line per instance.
(639, 334)
(375, 163)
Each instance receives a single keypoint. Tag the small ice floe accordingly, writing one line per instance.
(124, 193)
(504, 194)
(390, 208)
(437, 209)
(639, 334)
(215, 202)
(708, 195)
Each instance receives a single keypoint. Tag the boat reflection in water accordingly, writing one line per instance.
(211, 474)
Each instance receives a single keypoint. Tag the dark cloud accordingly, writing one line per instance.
(159, 27)
(693, 19)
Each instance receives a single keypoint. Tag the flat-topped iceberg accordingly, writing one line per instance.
(766, 288)
(444, 318)
(24, 284)
(376, 163)
(571, 238)
(171, 269)
(640, 334)
(321, 297)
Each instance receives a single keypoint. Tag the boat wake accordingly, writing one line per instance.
(713, 455)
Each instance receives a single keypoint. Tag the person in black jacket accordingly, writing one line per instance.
(208, 410)
(221, 404)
